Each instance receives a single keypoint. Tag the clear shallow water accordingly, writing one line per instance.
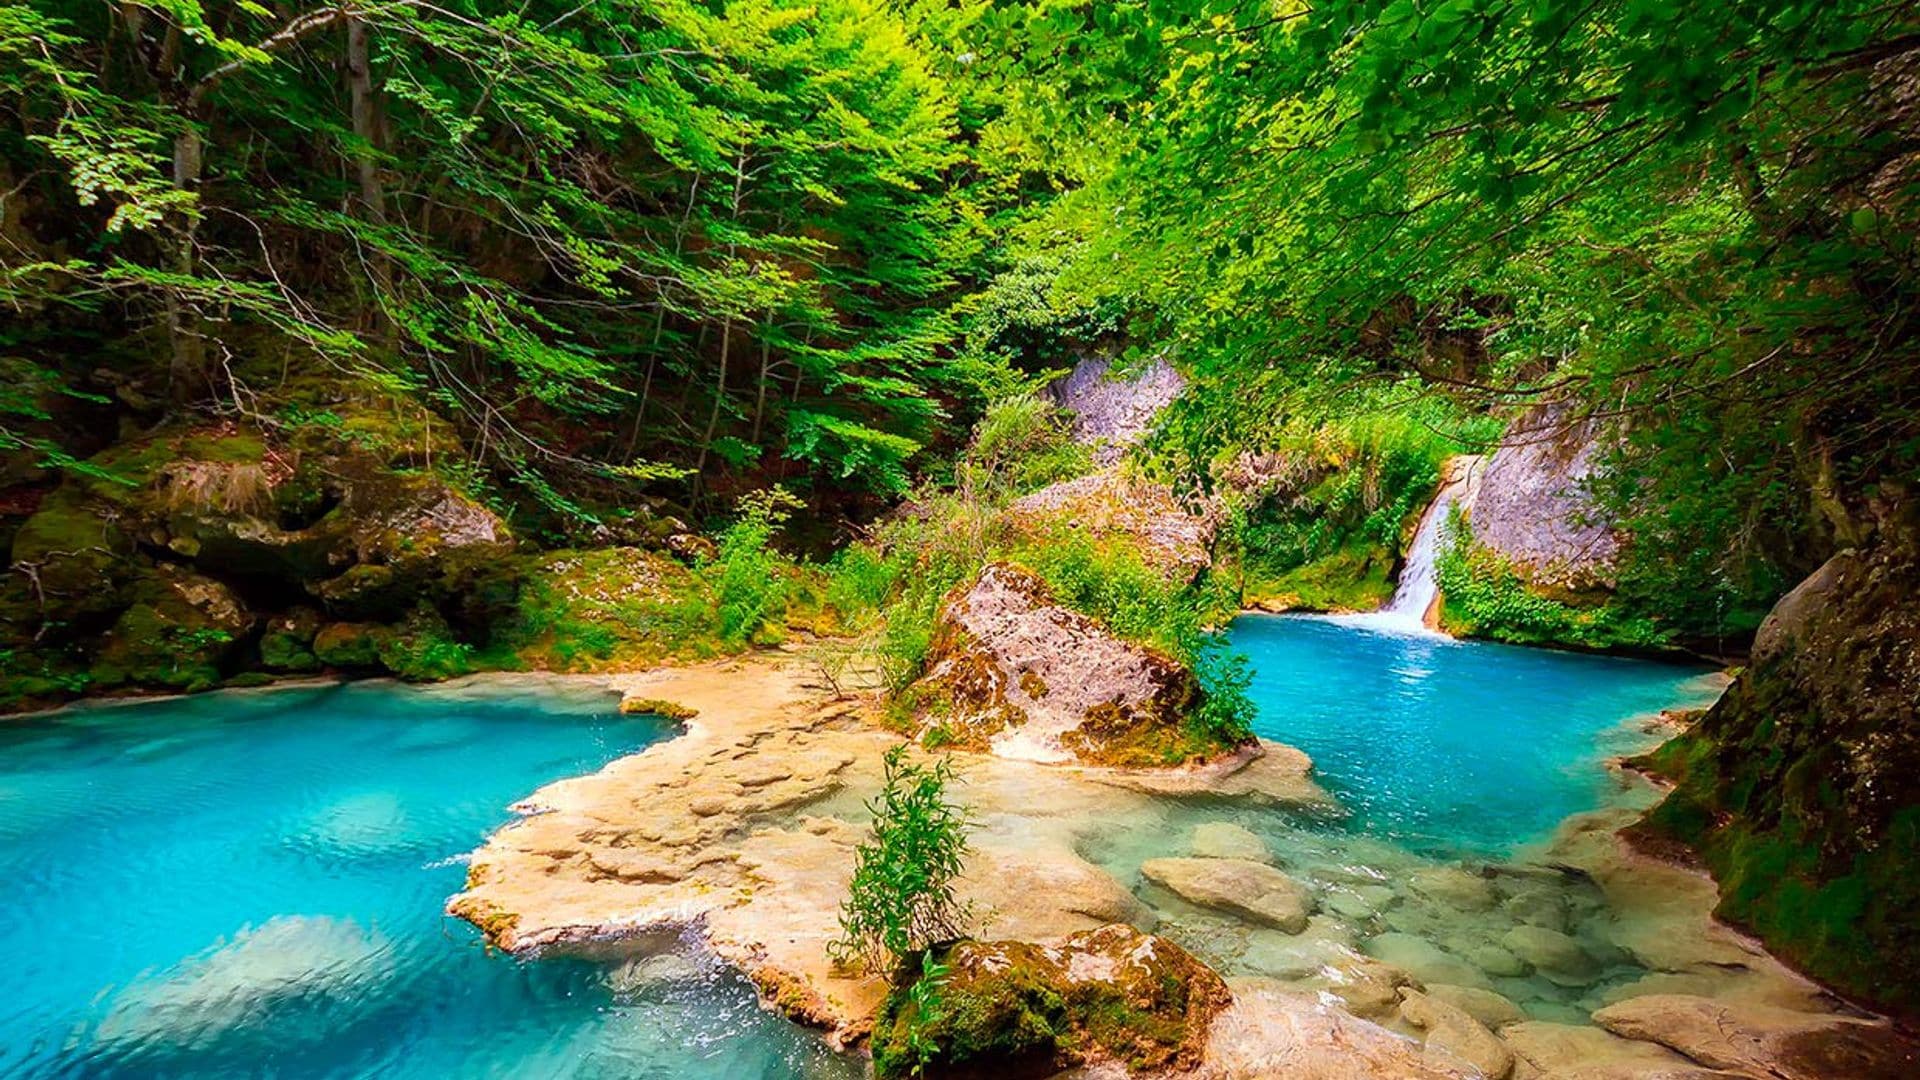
(1452, 747)
(251, 884)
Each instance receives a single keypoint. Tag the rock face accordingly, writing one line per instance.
(1012, 1008)
(1800, 788)
(1013, 672)
(1173, 539)
(1112, 411)
(1532, 506)
(1252, 890)
(1764, 1042)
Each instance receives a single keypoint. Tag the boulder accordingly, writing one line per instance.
(1012, 1008)
(1456, 888)
(1454, 1035)
(1585, 1052)
(1251, 890)
(1012, 672)
(1488, 1007)
(1764, 1041)
(1225, 840)
(1552, 954)
(1174, 539)
(1800, 787)
(178, 633)
(1534, 507)
(1272, 1031)
(1113, 410)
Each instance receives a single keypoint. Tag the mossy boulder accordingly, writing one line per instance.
(1800, 788)
(1013, 672)
(352, 646)
(180, 632)
(76, 560)
(578, 610)
(287, 642)
(1111, 996)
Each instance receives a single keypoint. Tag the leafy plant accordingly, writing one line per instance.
(749, 577)
(902, 899)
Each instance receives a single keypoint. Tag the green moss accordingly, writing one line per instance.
(583, 610)
(1484, 596)
(351, 645)
(423, 649)
(997, 1018)
(1353, 579)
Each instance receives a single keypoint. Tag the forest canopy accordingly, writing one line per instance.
(692, 249)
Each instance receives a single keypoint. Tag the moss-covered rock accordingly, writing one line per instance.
(1800, 788)
(352, 646)
(179, 633)
(287, 642)
(423, 648)
(1012, 671)
(1012, 1009)
(582, 610)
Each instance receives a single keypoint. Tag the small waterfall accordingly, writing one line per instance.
(1414, 595)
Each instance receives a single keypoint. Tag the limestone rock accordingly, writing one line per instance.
(1252, 890)
(1552, 954)
(1423, 959)
(1173, 539)
(179, 631)
(1225, 840)
(1533, 506)
(1015, 673)
(1106, 995)
(1585, 1052)
(1113, 410)
(1489, 1007)
(1763, 1041)
(1271, 1031)
(1456, 888)
(1454, 1034)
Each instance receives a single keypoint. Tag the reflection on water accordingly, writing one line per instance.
(250, 884)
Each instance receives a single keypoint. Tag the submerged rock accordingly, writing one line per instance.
(1012, 1008)
(1251, 890)
(1225, 840)
(1455, 1035)
(1015, 673)
(1765, 1042)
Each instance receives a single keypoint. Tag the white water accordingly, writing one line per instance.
(1406, 613)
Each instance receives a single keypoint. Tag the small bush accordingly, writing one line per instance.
(749, 577)
(901, 900)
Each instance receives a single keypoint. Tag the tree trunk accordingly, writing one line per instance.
(187, 372)
(367, 130)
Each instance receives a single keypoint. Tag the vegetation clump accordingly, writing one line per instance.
(901, 900)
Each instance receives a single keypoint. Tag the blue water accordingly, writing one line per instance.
(251, 885)
(1451, 747)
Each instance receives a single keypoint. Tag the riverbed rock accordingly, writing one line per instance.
(1487, 1006)
(1552, 954)
(1454, 1035)
(1015, 1008)
(1251, 890)
(1765, 1042)
(1273, 1031)
(1013, 672)
(1455, 888)
(1225, 840)
(1422, 959)
(1496, 961)
(1554, 1051)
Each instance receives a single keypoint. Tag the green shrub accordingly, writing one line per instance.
(747, 575)
(1484, 596)
(1023, 444)
(901, 899)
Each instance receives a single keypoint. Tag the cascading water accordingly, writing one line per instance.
(1407, 611)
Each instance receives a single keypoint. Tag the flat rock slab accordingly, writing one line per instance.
(1271, 1031)
(1763, 1041)
(1252, 890)
(1225, 840)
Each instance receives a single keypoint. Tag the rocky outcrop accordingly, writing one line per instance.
(741, 833)
(1800, 788)
(1015, 673)
(1764, 1042)
(158, 565)
(1014, 1008)
(1112, 411)
(1533, 506)
(1174, 539)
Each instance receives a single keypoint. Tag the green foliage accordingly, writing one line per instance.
(1022, 444)
(749, 578)
(909, 1050)
(1484, 596)
(901, 899)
